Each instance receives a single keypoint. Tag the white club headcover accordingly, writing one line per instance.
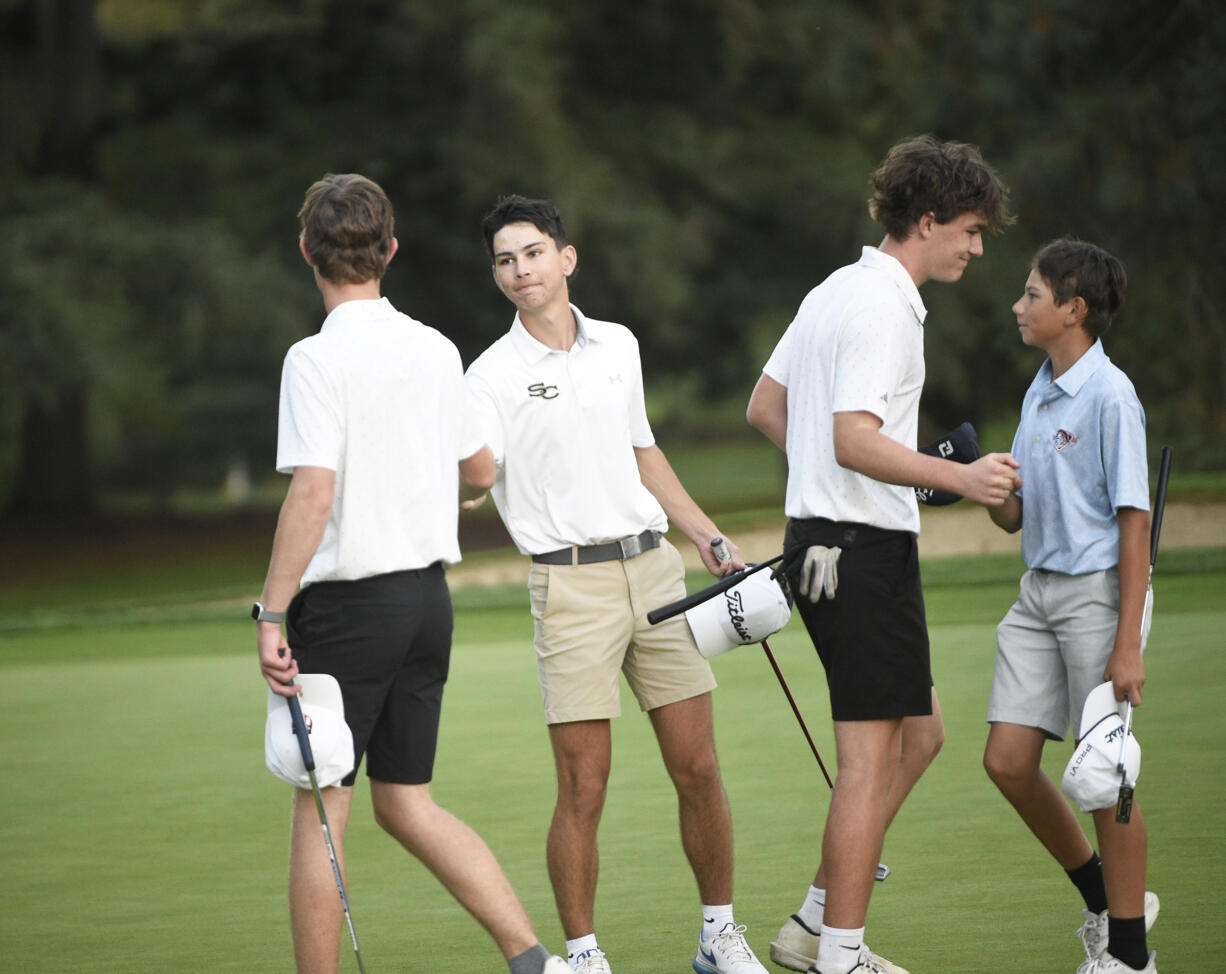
(819, 574)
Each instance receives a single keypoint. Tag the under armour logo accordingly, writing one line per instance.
(539, 390)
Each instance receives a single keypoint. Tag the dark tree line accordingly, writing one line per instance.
(712, 159)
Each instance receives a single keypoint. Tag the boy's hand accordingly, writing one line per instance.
(991, 479)
(1126, 671)
(277, 663)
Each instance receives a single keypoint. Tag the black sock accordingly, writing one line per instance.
(531, 961)
(1088, 879)
(1126, 941)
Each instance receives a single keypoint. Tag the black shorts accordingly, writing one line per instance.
(387, 640)
(872, 637)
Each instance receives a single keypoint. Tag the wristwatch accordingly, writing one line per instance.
(261, 614)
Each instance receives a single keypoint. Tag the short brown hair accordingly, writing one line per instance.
(347, 228)
(1078, 269)
(921, 175)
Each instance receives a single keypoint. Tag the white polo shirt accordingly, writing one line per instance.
(563, 426)
(855, 345)
(380, 399)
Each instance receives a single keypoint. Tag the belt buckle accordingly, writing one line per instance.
(631, 547)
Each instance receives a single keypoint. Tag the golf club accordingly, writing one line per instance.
(308, 759)
(720, 547)
(656, 616)
(1123, 807)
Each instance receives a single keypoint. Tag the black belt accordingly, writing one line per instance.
(622, 550)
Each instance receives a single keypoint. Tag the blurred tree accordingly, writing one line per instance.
(711, 157)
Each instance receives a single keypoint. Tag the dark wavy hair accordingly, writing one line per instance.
(921, 175)
(347, 227)
(542, 214)
(1078, 269)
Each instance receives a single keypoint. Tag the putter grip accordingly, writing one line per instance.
(300, 731)
(1155, 527)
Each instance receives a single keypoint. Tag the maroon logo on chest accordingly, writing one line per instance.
(1063, 440)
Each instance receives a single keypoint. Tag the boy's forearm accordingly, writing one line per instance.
(662, 482)
(1133, 574)
(300, 528)
(1008, 516)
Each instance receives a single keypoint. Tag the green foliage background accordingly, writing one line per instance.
(711, 157)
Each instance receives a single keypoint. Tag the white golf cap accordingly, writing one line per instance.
(1092, 777)
(748, 612)
(323, 710)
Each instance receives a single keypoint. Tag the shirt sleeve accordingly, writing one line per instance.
(777, 366)
(487, 417)
(1123, 453)
(310, 426)
(640, 428)
(868, 364)
(468, 430)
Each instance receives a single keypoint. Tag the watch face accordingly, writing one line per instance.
(256, 610)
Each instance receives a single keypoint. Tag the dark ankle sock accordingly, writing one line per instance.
(531, 961)
(1088, 879)
(1126, 941)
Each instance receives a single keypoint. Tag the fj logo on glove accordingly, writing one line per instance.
(539, 390)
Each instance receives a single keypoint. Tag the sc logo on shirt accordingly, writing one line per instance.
(538, 390)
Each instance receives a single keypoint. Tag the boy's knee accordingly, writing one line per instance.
(923, 741)
(582, 796)
(934, 740)
(1003, 770)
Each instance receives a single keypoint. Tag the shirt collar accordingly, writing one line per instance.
(534, 351)
(892, 268)
(359, 310)
(1094, 359)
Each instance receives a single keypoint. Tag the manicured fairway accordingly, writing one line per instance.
(142, 833)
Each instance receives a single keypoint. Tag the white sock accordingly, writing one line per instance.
(576, 947)
(714, 919)
(814, 908)
(839, 950)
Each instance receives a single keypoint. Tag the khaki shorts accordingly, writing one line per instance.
(591, 625)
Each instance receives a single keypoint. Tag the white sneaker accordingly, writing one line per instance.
(1093, 932)
(1106, 964)
(868, 963)
(727, 953)
(796, 949)
(591, 962)
(556, 965)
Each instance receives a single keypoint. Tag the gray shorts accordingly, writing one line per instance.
(1052, 647)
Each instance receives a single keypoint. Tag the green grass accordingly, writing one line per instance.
(142, 831)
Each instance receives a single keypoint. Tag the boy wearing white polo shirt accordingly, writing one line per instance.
(840, 395)
(1077, 621)
(585, 491)
(377, 430)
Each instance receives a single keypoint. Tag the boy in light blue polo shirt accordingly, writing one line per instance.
(1084, 515)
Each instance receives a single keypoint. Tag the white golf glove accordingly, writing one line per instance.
(819, 574)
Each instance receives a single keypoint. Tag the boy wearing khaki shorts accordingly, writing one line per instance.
(584, 489)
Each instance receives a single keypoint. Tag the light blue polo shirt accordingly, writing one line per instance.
(1081, 446)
